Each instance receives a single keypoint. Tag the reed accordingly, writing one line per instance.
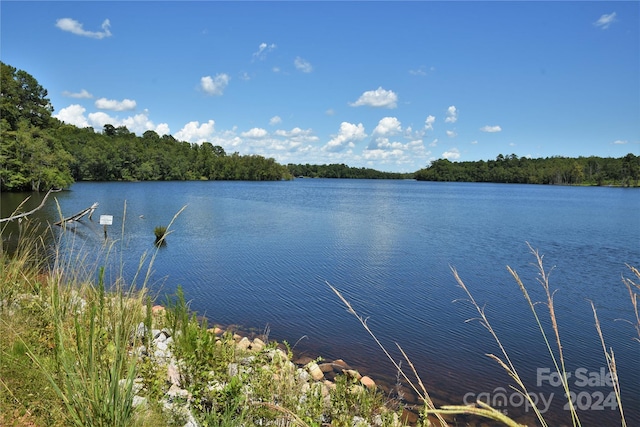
(552, 341)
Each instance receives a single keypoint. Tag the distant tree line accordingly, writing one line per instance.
(624, 171)
(342, 171)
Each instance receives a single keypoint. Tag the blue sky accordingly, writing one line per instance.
(387, 85)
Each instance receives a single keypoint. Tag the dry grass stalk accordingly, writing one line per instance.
(424, 395)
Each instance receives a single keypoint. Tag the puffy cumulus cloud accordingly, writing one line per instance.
(434, 143)
(75, 27)
(140, 123)
(451, 134)
(263, 49)
(214, 85)
(388, 126)
(605, 21)
(347, 136)
(254, 133)
(275, 120)
(302, 65)
(429, 121)
(453, 154)
(196, 132)
(490, 129)
(83, 94)
(377, 98)
(396, 153)
(452, 115)
(137, 124)
(378, 154)
(113, 105)
(297, 133)
(99, 119)
(163, 129)
(73, 115)
(620, 142)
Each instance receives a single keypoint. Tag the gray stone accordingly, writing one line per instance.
(141, 330)
(233, 369)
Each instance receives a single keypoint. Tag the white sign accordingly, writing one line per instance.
(106, 219)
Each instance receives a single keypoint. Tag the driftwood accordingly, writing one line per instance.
(22, 215)
(79, 215)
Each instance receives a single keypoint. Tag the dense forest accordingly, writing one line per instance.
(39, 152)
(624, 171)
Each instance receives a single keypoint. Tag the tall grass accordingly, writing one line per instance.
(552, 341)
(92, 365)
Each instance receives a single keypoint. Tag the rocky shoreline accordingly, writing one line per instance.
(309, 371)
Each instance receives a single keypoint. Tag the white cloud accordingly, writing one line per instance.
(73, 115)
(490, 129)
(83, 94)
(434, 143)
(297, 133)
(452, 114)
(452, 154)
(141, 123)
(620, 142)
(215, 85)
(428, 123)
(474, 142)
(451, 134)
(605, 21)
(196, 132)
(418, 72)
(163, 129)
(330, 112)
(254, 133)
(377, 98)
(113, 105)
(347, 136)
(138, 124)
(99, 119)
(381, 154)
(302, 65)
(275, 120)
(75, 27)
(263, 49)
(388, 126)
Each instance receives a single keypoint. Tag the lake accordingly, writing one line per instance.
(261, 255)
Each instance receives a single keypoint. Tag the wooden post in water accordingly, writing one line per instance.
(106, 220)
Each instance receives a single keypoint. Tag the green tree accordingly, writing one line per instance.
(22, 97)
(33, 160)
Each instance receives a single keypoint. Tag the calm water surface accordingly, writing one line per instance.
(261, 254)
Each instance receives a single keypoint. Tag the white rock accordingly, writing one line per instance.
(139, 401)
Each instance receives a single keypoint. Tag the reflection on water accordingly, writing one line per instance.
(261, 253)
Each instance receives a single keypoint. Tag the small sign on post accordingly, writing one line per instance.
(106, 220)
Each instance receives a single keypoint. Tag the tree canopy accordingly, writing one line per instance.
(624, 171)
